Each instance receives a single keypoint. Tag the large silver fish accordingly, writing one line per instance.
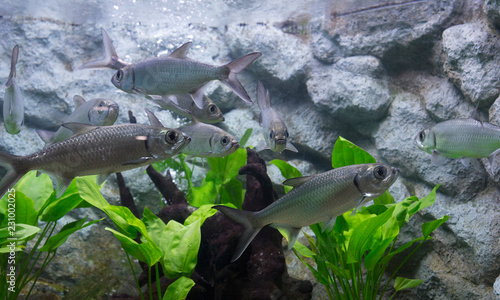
(314, 199)
(13, 102)
(274, 129)
(209, 113)
(172, 74)
(98, 112)
(95, 150)
(460, 138)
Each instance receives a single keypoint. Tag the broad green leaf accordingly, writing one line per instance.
(424, 202)
(404, 283)
(19, 206)
(407, 245)
(180, 245)
(90, 191)
(125, 220)
(232, 192)
(245, 137)
(148, 253)
(204, 194)
(19, 232)
(362, 236)
(8, 248)
(60, 238)
(55, 209)
(385, 198)
(36, 188)
(179, 289)
(303, 250)
(429, 227)
(154, 225)
(345, 153)
(389, 232)
(202, 213)
(287, 170)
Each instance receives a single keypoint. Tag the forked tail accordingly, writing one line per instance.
(247, 219)
(110, 59)
(8, 161)
(235, 67)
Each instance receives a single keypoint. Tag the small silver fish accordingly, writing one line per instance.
(172, 74)
(208, 140)
(13, 102)
(461, 138)
(274, 129)
(314, 199)
(95, 150)
(98, 112)
(209, 113)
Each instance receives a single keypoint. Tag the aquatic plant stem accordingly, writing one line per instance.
(37, 274)
(158, 280)
(149, 283)
(135, 277)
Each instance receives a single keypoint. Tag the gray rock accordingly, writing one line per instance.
(496, 287)
(395, 143)
(492, 10)
(472, 60)
(353, 90)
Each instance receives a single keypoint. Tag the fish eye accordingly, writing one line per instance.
(421, 135)
(119, 75)
(380, 172)
(171, 137)
(271, 134)
(211, 108)
(224, 140)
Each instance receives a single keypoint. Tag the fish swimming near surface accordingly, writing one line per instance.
(314, 199)
(98, 112)
(13, 102)
(95, 150)
(468, 139)
(209, 113)
(173, 74)
(274, 129)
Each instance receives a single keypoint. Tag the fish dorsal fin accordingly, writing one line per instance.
(45, 135)
(181, 51)
(78, 100)
(261, 96)
(79, 128)
(475, 115)
(297, 181)
(153, 119)
(13, 62)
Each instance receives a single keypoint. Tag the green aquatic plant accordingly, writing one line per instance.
(220, 185)
(351, 258)
(29, 213)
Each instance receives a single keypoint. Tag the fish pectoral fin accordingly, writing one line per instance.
(62, 184)
(78, 100)
(172, 98)
(466, 161)
(139, 161)
(101, 178)
(181, 52)
(437, 158)
(491, 158)
(45, 135)
(297, 181)
(79, 128)
(290, 233)
(291, 147)
(153, 119)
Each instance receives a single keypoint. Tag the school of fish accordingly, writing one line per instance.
(88, 142)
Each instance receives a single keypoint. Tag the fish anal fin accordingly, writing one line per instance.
(62, 184)
(491, 158)
(78, 100)
(45, 135)
(79, 128)
(328, 224)
(153, 119)
(101, 178)
(297, 181)
(290, 233)
(172, 98)
(437, 158)
(181, 52)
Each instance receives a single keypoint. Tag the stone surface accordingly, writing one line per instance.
(472, 59)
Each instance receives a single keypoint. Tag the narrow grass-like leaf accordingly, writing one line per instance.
(429, 227)
(148, 253)
(19, 232)
(424, 202)
(154, 225)
(404, 283)
(57, 240)
(245, 137)
(303, 250)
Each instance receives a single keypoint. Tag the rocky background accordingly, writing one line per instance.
(372, 72)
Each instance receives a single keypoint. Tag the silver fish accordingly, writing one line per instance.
(460, 138)
(95, 150)
(210, 113)
(109, 60)
(208, 140)
(13, 102)
(274, 129)
(98, 112)
(314, 199)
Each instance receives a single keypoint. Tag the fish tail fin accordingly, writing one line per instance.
(9, 162)
(235, 67)
(13, 63)
(247, 219)
(110, 59)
